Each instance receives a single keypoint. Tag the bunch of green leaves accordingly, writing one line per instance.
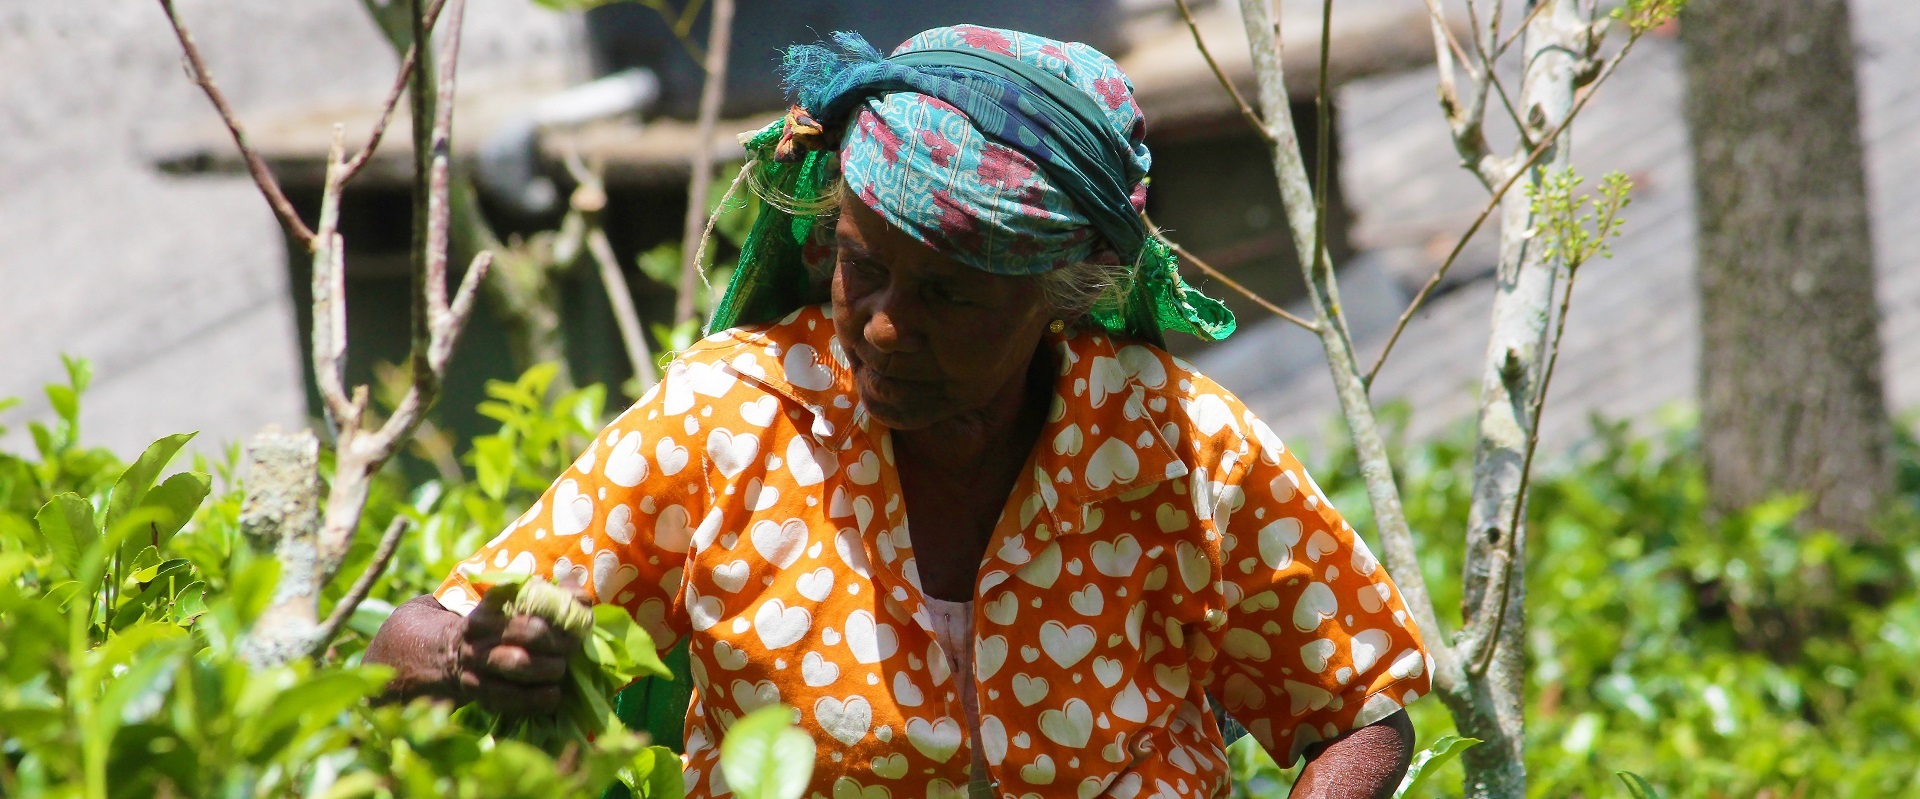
(1641, 16)
(1576, 227)
(615, 651)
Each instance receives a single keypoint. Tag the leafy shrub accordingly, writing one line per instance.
(1743, 656)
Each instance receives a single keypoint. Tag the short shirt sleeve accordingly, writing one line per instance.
(1318, 641)
(618, 522)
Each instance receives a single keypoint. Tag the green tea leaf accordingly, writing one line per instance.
(67, 526)
(1431, 760)
(763, 756)
(177, 498)
(655, 774)
(79, 373)
(137, 480)
(167, 579)
(316, 701)
(1637, 785)
(64, 402)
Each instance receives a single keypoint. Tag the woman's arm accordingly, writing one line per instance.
(1366, 763)
(509, 665)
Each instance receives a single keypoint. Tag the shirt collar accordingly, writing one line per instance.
(1107, 430)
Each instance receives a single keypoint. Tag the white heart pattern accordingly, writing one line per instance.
(626, 467)
(781, 544)
(732, 454)
(781, 626)
(804, 370)
(1069, 727)
(816, 585)
(845, 721)
(672, 456)
(818, 671)
(937, 739)
(572, 510)
(870, 641)
(1066, 645)
(1112, 462)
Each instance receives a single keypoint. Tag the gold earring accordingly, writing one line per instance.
(1056, 326)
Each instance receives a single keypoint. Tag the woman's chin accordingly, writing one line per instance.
(895, 405)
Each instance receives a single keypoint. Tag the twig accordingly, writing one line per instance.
(1231, 283)
(1443, 34)
(256, 166)
(400, 81)
(1539, 150)
(1515, 36)
(720, 29)
(588, 200)
(1369, 446)
(1253, 118)
(436, 323)
(330, 299)
(632, 336)
(700, 254)
(343, 611)
(1322, 151)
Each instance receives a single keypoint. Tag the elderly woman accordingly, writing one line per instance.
(932, 482)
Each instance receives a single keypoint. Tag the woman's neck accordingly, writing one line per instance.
(1002, 430)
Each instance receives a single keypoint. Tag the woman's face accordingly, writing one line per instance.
(929, 338)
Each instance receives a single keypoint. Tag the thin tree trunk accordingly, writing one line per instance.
(1494, 710)
(1790, 362)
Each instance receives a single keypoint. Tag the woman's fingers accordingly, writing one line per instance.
(517, 665)
(538, 636)
(511, 698)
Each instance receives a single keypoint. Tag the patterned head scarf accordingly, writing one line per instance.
(1012, 153)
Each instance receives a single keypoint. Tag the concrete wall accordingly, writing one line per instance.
(174, 288)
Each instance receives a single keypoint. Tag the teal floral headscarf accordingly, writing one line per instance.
(1012, 153)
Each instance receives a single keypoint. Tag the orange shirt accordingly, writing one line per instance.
(1164, 547)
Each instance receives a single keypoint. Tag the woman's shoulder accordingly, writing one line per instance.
(1171, 385)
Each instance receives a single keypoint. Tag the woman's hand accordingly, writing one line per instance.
(510, 665)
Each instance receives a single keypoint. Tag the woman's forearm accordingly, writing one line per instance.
(1366, 763)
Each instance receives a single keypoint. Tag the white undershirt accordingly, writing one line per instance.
(953, 628)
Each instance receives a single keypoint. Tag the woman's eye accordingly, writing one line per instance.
(950, 297)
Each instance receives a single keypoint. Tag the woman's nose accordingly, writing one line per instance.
(890, 328)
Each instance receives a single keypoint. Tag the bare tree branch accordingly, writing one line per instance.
(1515, 36)
(330, 298)
(1539, 151)
(400, 81)
(632, 336)
(1225, 83)
(1216, 274)
(588, 200)
(343, 610)
(719, 32)
(311, 557)
(256, 166)
(1369, 444)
